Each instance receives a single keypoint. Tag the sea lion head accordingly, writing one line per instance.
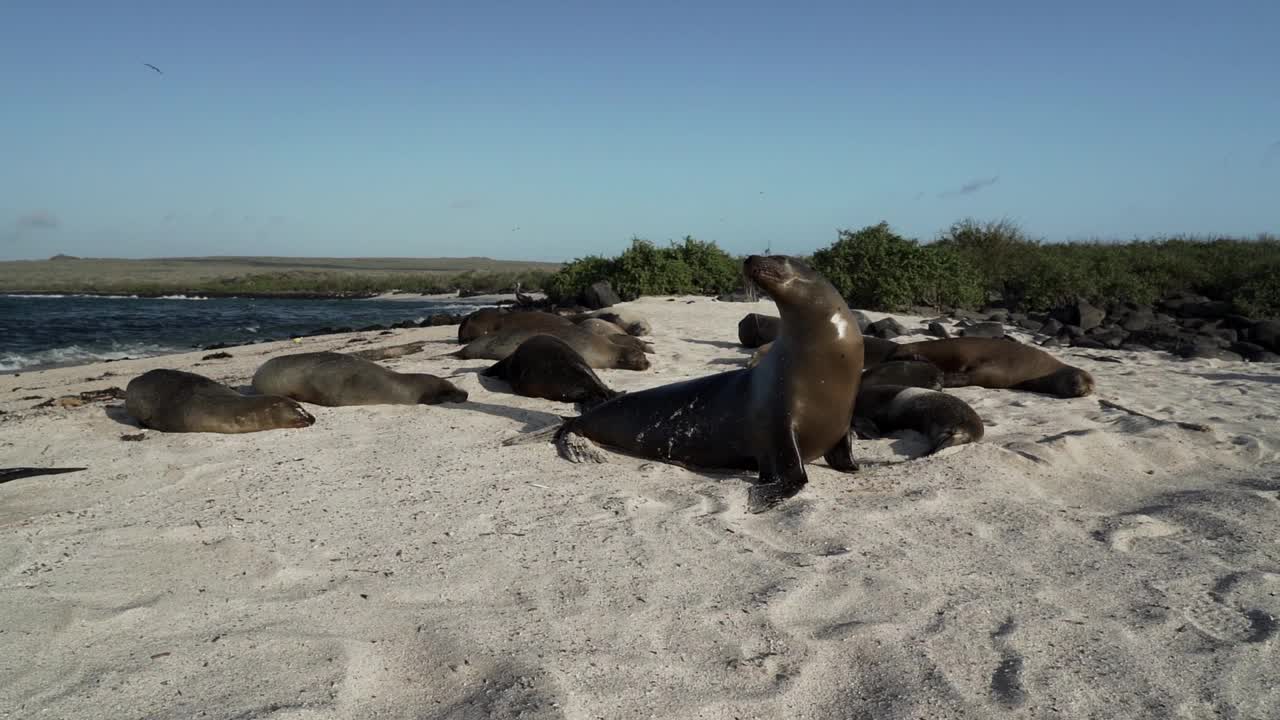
(1073, 382)
(283, 412)
(630, 358)
(788, 280)
(439, 390)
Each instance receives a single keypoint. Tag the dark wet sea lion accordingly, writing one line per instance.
(338, 379)
(945, 419)
(598, 351)
(544, 366)
(909, 373)
(179, 401)
(755, 329)
(792, 408)
(996, 363)
(17, 473)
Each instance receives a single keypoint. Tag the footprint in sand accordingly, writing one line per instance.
(1121, 530)
(1229, 613)
(1006, 679)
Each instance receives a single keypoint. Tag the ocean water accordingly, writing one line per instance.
(40, 331)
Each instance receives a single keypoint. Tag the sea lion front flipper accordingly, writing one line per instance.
(956, 379)
(840, 457)
(781, 476)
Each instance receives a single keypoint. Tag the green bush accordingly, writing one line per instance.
(876, 269)
(692, 267)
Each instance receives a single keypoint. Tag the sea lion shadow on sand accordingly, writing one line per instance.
(718, 343)
(532, 419)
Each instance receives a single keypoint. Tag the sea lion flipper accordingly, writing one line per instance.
(781, 476)
(866, 428)
(840, 457)
(956, 379)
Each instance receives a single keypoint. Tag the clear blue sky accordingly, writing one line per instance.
(438, 128)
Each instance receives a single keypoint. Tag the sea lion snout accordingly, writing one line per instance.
(767, 270)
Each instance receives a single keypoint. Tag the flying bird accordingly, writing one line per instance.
(153, 67)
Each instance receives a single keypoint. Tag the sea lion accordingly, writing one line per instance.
(598, 351)
(629, 320)
(615, 334)
(996, 363)
(486, 321)
(876, 350)
(337, 379)
(792, 408)
(945, 419)
(544, 366)
(755, 330)
(909, 373)
(179, 401)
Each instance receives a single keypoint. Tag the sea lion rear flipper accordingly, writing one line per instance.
(866, 428)
(782, 475)
(840, 457)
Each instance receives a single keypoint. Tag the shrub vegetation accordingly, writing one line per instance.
(969, 265)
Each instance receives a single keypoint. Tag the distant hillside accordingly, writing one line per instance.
(265, 275)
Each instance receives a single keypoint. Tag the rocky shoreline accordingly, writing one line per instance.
(1186, 325)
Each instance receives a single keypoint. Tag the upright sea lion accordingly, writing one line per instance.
(598, 351)
(996, 363)
(179, 401)
(544, 366)
(945, 419)
(792, 408)
(337, 379)
(910, 373)
(755, 329)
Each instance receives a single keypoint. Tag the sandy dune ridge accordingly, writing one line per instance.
(397, 562)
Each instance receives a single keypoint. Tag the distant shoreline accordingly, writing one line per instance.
(301, 295)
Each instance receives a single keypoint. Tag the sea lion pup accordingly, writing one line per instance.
(908, 373)
(337, 379)
(544, 366)
(755, 330)
(996, 363)
(792, 408)
(491, 320)
(945, 419)
(598, 351)
(178, 401)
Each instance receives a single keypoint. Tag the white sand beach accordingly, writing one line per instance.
(398, 562)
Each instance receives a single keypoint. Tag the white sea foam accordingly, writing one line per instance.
(77, 355)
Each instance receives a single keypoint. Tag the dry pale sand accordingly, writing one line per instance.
(397, 562)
